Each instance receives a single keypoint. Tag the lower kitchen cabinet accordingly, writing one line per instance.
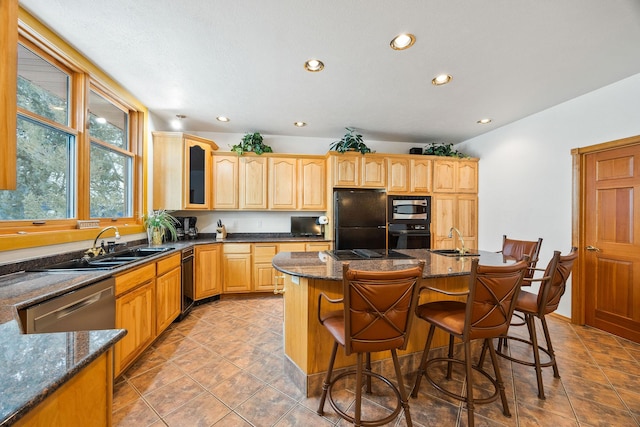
(207, 271)
(135, 313)
(168, 291)
(85, 400)
(263, 271)
(236, 260)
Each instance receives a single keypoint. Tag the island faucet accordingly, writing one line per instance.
(462, 250)
(93, 251)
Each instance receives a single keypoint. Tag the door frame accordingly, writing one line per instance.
(578, 219)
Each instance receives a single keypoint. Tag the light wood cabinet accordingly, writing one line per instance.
(459, 211)
(283, 183)
(408, 175)
(225, 181)
(237, 267)
(8, 100)
(253, 183)
(455, 176)
(312, 184)
(208, 271)
(355, 170)
(135, 313)
(182, 171)
(317, 246)
(85, 400)
(263, 272)
(168, 291)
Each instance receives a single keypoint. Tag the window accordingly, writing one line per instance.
(111, 179)
(45, 147)
(64, 173)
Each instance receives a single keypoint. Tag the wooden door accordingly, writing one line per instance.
(168, 294)
(398, 179)
(444, 176)
(420, 176)
(207, 271)
(612, 239)
(374, 172)
(346, 170)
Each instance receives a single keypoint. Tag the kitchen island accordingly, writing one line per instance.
(307, 344)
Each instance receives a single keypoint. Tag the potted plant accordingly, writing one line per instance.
(440, 149)
(251, 142)
(351, 141)
(157, 223)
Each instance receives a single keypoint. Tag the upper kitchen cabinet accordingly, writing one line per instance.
(455, 176)
(225, 181)
(253, 182)
(283, 183)
(269, 181)
(8, 100)
(358, 170)
(312, 184)
(406, 174)
(182, 171)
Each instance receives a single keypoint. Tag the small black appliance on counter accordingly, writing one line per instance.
(305, 226)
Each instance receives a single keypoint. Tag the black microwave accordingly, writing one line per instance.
(409, 208)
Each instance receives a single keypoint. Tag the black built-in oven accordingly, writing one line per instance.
(409, 222)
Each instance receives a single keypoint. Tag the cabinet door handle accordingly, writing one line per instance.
(592, 249)
(275, 285)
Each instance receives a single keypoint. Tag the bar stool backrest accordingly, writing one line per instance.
(493, 292)
(554, 284)
(517, 249)
(379, 308)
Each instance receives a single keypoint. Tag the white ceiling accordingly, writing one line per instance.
(244, 59)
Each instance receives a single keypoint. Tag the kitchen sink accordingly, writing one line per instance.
(104, 262)
(453, 252)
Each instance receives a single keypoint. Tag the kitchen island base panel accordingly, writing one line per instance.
(307, 345)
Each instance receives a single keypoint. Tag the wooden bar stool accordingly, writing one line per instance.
(531, 306)
(517, 249)
(485, 314)
(376, 316)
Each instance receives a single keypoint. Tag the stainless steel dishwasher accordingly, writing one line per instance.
(91, 307)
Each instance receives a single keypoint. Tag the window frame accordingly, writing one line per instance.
(84, 76)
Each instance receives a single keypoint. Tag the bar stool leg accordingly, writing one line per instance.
(368, 359)
(358, 408)
(403, 391)
(450, 363)
(552, 354)
(423, 362)
(469, 371)
(327, 379)
(531, 324)
(496, 369)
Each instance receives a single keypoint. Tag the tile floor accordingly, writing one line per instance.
(223, 366)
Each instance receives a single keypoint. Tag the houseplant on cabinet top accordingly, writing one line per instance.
(157, 223)
(442, 149)
(251, 142)
(350, 142)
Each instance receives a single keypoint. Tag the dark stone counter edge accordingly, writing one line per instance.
(318, 277)
(20, 412)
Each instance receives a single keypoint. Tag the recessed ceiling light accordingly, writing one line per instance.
(402, 41)
(484, 121)
(222, 119)
(299, 124)
(176, 123)
(441, 79)
(313, 65)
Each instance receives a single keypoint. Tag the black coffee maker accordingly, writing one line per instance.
(189, 227)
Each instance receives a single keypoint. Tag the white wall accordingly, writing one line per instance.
(525, 173)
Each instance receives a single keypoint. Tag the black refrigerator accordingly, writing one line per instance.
(360, 219)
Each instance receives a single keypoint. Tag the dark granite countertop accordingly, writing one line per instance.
(321, 265)
(32, 366)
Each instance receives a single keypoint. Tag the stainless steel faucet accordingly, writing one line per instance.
(462, 250)
(93, 251)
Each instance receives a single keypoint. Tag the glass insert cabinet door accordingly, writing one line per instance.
(199, 166)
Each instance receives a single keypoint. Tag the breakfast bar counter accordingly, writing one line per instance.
(307, 345)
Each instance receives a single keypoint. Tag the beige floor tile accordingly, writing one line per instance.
(223, 366)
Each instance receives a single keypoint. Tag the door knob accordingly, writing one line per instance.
(592, 249)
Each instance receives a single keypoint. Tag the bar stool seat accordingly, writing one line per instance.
(377, 313)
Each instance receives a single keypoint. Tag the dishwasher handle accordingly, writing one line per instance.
(66, 311)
